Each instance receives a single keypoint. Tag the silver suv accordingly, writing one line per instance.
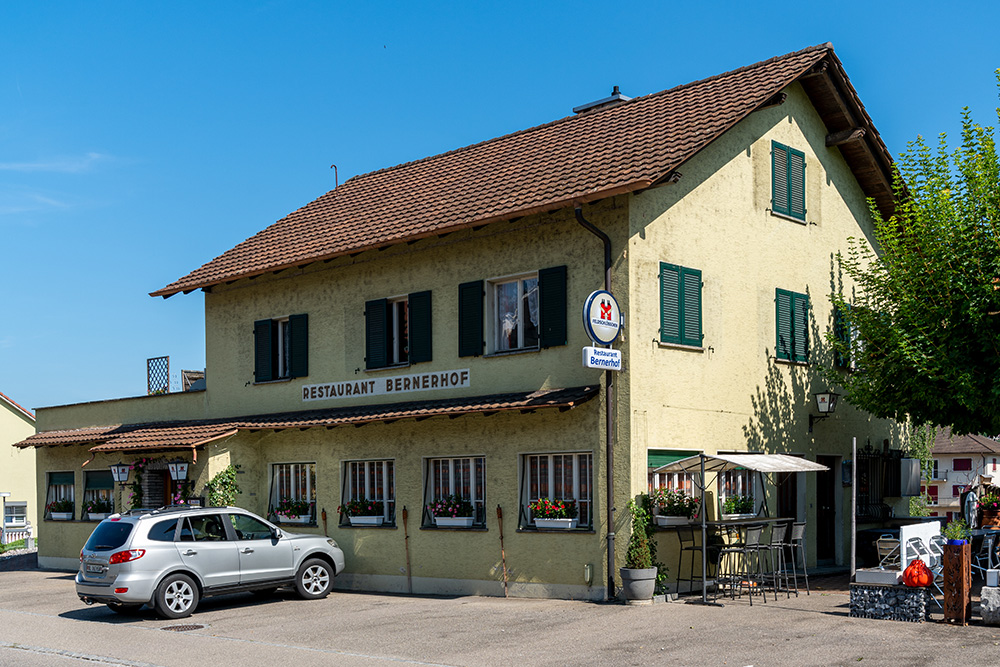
(172, 557)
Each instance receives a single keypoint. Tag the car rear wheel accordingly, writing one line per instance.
(176, 597)
(125, 607)
(314, 580)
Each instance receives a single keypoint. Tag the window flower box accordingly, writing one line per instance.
(300, 520)
(61, 516)
(663, 520)
(555, 524)
(97, 516)
(453, 521)
(366, 520)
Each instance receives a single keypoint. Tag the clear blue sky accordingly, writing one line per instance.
(139, 140)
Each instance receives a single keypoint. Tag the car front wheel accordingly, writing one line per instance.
(314, 580)
(176, 597)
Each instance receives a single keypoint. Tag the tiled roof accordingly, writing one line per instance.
(164, 436)
(946, 443)
(10, 401)
(612, 150)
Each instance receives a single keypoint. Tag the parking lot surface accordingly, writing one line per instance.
(43, 623)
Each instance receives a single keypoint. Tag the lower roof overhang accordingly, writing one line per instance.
(193, 434)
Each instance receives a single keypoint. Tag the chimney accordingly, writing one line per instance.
(615, 98)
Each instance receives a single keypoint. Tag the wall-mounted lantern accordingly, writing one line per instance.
(826, 405)
(178, 470)
(119, 472)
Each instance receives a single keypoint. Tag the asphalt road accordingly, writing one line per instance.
(42, 623)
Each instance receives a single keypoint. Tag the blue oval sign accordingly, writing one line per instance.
(602, 319)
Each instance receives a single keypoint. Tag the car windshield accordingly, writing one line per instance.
(109, 535)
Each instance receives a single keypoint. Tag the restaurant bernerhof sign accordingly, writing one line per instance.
(400, 384)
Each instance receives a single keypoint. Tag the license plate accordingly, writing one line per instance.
(95, 569)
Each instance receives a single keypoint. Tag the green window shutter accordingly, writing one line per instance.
(783, 324)
(99, 480)
(670, 303)
(376, 335)
(690, 295)
(264, 359)
(779, 178)
(796, 184)
(842, 334)
(419, 323)
(470, 319)
(61, 478)
(552, 306)
(800, 327)
(298, 329)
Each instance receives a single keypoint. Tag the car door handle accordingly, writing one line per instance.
(190, 552)
(248, 550)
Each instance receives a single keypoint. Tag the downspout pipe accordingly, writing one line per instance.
(609, 415)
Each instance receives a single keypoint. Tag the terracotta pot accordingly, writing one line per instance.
(991, 518)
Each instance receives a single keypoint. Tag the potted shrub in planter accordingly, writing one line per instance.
(451, 512)
(553, 514)
(956, 532)
(60, 510)
(989, 508)
(97, 509)
(673, 508)
(362, 512)
(738, 507)
(294, 511)
(639, 574)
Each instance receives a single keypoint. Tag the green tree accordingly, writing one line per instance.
(922, 330)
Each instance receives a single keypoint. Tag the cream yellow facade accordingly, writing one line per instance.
(17, 469)
(728, 394)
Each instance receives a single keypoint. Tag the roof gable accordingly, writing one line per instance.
(612, 150)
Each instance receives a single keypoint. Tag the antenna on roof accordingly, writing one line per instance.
(336, 178)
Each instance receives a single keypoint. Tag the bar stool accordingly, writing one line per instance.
(797, 544)
(728, 568)
(752, 574)
(775, 549)
(685, 534)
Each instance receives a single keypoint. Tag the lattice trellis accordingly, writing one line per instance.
(158, 375)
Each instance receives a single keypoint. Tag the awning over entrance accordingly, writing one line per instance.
(766, 463)
(190, 434)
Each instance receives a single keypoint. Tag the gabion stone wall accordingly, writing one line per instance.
(891, 603)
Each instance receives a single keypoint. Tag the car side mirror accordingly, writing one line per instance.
(275, 534)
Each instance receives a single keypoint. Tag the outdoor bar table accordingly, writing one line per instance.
(738, 526)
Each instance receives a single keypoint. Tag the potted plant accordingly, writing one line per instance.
(735, 507)
(294, 511)
(451, 512)
(97, 509)
(673, 508)
(60, 510)
(956, 532)
(553, 514)
(362, 512)
(989, 507)
(639, 574)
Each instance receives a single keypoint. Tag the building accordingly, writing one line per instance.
(958, 464)
(17, 472)
(416, 333)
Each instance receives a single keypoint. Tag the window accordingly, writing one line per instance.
(371, 480)
(464, 477)
(676, 481)
(15, 513)
(956, 490)
(207, 528)
(558, 477)
(249, 528)
(934, 469)
(788, 181)
(163, 531)
(98, 491)
(792, 325)
(293, 490)
(524, 312)
(680, 305)
(281, 348)
(61, 493)
(932, 492)
(962, 465)
(398, 330)
(737, 483)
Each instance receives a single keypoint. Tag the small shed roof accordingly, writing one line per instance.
(766, 463)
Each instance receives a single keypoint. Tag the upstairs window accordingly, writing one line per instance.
(961, 465)
(788, 181)
(281, 348)
(398, 330)
(792, 324)
(515, 313)
(680, 305)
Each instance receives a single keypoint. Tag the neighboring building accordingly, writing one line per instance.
(17, 469)
(958, 463)
(416, 333)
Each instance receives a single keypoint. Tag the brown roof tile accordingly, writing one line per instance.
(612, 150)
(190, 434)
(946, 443)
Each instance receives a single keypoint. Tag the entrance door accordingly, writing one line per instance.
(826, 510)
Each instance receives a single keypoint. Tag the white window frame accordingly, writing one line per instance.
(399, 341)
(15, 513)
(369, 469)
(297, 489)
(495, 328)
(738, 483)
(284, 348)
(451, 467)
(675, 481)
(582, 492)
(60, 491)
(95, 494)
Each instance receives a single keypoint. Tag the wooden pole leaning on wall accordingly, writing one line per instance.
(503, 554)
(406, 543)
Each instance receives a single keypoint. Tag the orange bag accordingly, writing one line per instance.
(917, 574)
